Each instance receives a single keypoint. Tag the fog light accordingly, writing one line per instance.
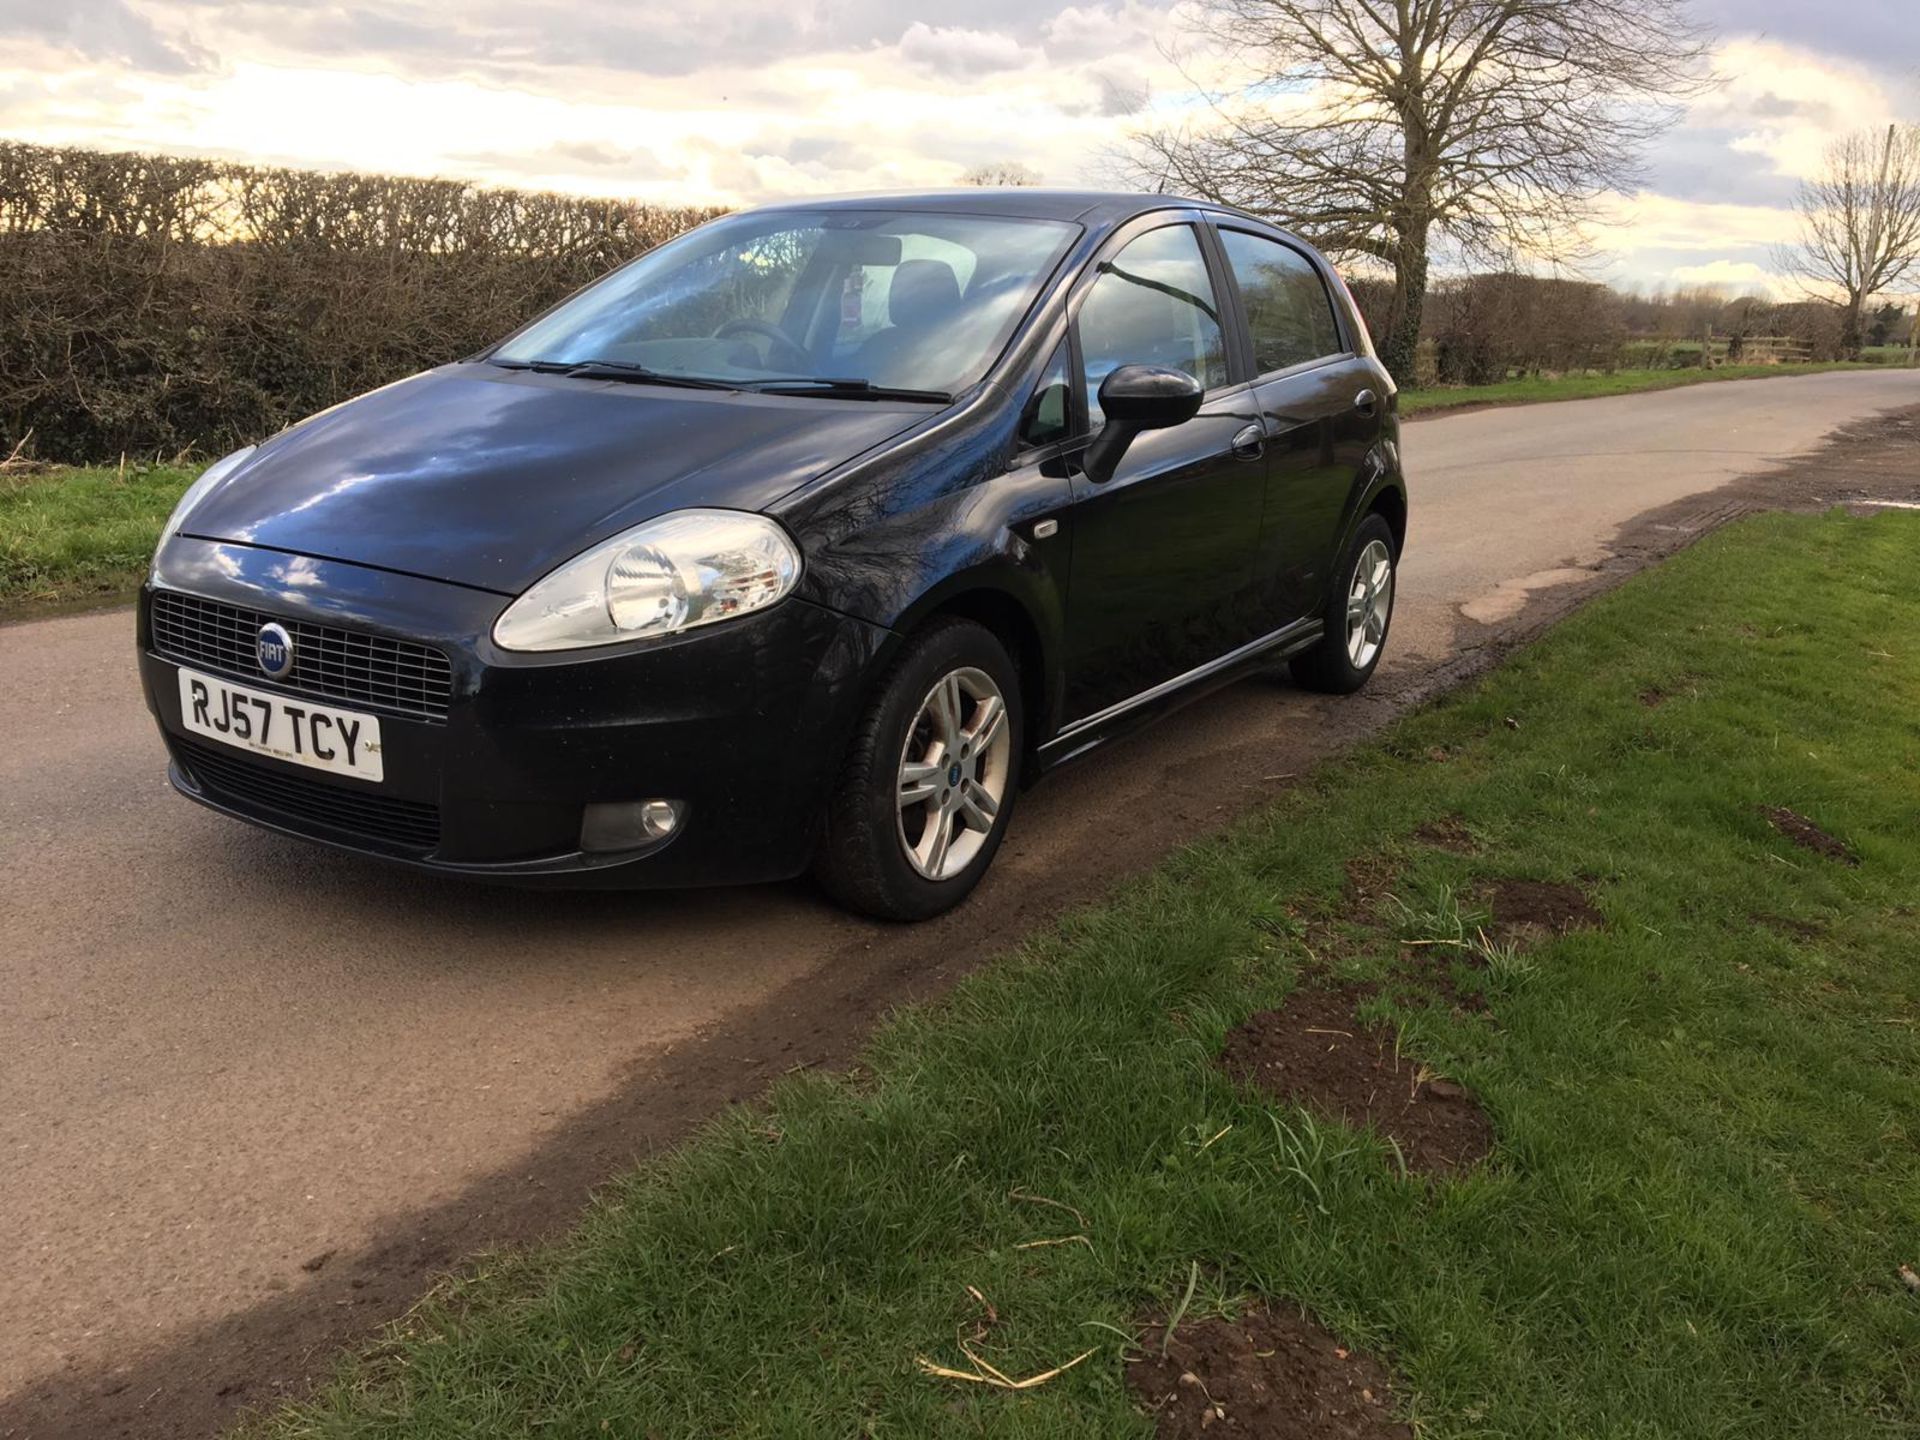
(630, 824)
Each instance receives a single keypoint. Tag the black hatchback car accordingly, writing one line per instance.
(804, 540)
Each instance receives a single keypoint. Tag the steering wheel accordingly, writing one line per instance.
(780, 345)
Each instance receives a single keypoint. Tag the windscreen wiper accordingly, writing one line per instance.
(613, 370)
(838, 387)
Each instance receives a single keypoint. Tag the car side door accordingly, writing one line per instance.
(1164, 552)
(1321, 415)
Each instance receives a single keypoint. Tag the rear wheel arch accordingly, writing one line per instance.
(1331, 666)
(1390, 504)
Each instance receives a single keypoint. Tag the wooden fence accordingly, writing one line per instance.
(1754, 350)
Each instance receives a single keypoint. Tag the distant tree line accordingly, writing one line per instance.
(1480, 329)
(157, 305)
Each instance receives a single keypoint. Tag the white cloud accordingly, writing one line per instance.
(1086, 32)
(1790, 103)
(1741, 275)
(962, 54)
(1664, 222)
(108, 30)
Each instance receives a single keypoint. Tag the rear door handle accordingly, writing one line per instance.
(1367, 403)
(1250, 442)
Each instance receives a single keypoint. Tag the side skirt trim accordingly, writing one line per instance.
(1088, 731)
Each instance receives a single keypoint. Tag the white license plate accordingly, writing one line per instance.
(298, 731)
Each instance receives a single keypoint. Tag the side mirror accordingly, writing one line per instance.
(1135, 398)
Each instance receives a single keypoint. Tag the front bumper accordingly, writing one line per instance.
(743, 722)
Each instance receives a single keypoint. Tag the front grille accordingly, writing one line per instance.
(409, 825)
(348, 665)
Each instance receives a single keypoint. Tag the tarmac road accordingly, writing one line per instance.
(251, 1091)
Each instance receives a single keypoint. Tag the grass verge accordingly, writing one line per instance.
(1704, 1182)
(1535, 389)
(73, 536)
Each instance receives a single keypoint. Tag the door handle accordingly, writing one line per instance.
(1367, 403)
(1250, 442)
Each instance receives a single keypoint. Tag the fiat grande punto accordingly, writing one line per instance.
(802, 542)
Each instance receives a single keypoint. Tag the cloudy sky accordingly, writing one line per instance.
(736, 101)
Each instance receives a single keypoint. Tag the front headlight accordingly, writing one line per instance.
(693, 567)
(209, 477)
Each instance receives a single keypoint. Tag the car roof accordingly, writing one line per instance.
(1098, 208)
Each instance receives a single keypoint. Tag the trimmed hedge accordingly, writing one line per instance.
(154, 305)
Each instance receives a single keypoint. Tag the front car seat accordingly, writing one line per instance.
(921, 297)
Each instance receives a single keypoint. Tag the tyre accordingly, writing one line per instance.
(1358, 614)
(928, 785)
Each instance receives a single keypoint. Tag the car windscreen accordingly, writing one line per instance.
(899, 300)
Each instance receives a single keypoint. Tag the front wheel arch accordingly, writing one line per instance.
(1022, 626)
(863, 858)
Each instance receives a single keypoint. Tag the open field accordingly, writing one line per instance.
(1535, 389)
(1702, 1093)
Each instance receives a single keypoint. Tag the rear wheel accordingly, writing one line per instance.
(1358, 614)
(923, 799)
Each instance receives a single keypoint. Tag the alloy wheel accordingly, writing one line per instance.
(954, 769)
(1369, 604)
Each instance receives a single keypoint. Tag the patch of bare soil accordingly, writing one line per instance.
(1446, 833)
(1807, 835)
(1313, 1052)
(1528, 911)
(1369, 880)
(1275, 1375)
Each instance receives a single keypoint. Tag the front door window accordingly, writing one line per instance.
(1153, 305)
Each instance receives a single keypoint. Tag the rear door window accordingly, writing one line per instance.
(1289, 313)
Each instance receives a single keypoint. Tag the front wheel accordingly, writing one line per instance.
(1358, 613)
(923, 798)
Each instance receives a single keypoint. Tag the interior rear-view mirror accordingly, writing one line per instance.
(857, 247)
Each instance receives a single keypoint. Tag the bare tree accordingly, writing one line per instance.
(1860, 221)
(1000, 172)
(1376, 126)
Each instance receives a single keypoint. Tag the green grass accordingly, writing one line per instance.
(1534, 389)
(78, 535)
(1705, 1179)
